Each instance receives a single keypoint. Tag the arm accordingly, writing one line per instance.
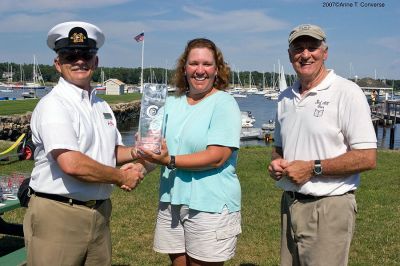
(351, 162)
(212, 157)
(84, 168)
(125, 154)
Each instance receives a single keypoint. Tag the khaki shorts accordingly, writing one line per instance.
(203, 236)
(317, 231)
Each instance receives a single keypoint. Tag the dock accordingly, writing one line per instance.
(386, 114)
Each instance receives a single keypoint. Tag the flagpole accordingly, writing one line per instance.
(141, 74)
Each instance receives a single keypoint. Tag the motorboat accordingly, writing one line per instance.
(269, 126)
(28, 94)
(247, 119)
(251, 133)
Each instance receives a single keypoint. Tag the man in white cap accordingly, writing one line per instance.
(323, 139)
(77, 148)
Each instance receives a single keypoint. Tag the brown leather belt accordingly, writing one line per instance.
(89, 204)
(300, 196)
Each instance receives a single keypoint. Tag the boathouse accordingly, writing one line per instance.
(114, 87)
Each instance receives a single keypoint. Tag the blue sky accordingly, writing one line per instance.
(363, 41)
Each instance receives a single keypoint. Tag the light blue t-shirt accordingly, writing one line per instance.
(215, 120)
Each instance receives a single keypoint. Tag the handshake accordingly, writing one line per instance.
(132, 175)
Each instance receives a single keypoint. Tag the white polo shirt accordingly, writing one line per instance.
(331, 119)
(67, 119)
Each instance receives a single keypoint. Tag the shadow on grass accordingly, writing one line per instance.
(7, 160)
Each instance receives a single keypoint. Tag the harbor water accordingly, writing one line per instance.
(18, 93)
(263, 110)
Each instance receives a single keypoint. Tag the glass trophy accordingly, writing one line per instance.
(152, 117)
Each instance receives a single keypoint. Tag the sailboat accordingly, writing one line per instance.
(282, 80)
(237, 92)
(37, 82)
(250, 89)
(37, 79)
(282, 85)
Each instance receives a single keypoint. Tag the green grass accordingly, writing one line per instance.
(27, 105)
(376, 241)
(113, 99)
(17, 107)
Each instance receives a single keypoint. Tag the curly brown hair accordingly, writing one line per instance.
(222, 79)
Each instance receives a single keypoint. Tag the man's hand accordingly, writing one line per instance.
(299, 172)
(132, 175)
(276, 168)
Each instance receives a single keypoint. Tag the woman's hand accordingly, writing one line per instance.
(163, 158)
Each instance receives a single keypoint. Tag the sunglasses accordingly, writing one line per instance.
(74, 55)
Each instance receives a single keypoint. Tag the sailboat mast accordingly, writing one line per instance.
(263, 81)
(34, 78)
(166, 73)
(249, 79)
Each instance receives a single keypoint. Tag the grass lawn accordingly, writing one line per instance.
(376, 241)
(27, 105)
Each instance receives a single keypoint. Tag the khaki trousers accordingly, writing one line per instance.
(317, 232)
(62, 234)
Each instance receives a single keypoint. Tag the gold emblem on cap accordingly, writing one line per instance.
(78, 38)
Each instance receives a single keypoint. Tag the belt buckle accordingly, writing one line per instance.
(90, 203)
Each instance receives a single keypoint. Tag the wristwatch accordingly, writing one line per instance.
(171, 165)
(317, 168)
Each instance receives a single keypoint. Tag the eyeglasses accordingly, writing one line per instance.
(74, 55)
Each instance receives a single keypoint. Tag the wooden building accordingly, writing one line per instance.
(114, 87)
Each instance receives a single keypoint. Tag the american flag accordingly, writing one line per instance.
(139, 37)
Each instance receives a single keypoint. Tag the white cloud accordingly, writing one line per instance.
(238, 21)
(29, 23)
(392, 43)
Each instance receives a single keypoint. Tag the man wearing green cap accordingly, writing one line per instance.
(323, 139)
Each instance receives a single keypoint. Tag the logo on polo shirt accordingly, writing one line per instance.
(320, 107)
(108, 117)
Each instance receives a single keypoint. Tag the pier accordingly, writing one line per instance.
(387, 114)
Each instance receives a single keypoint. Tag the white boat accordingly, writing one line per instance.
(37, 79)
(250, 133)
(247, 119)
(5, 87)
(271, 94)
(239, 95)
(28, 94)
(282, 80)
(252, 91)
(269, 126)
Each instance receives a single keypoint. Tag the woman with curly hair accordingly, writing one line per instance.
(199, 218)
